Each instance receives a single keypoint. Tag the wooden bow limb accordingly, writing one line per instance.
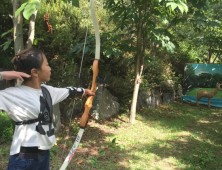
(85, 116)
(88, 104)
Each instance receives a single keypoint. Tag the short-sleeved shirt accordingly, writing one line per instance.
(23, 103)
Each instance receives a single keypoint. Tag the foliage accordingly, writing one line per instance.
(65, 21)
(125, 17)
(64, 49)
(6, 127)
(201, 34)
(74, 2)
(166, 88)
(172, 39)
(6, 33)
(119, 80)
(28, 8)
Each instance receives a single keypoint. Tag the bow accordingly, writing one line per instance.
(88, 104)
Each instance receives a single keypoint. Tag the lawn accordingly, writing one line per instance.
(193, 92)
(178, 136)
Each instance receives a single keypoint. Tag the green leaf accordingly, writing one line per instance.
(200, 22)
(20, 9)
(74, 2)
(214, 24)
(172, 4)
(29, 10)
(36, 40)
(109, 53)
(9, 31)
(73, 50)
(156, 12)
(37, 4)
(199, 16)
(87, 49)
(151, 23)
(181, 8)
(185, 7)
(80, 48)
(116, 52)
(122, 146)
(165, 21)
(114, 140)
(6, 44)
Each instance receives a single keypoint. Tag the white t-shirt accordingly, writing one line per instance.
(23, 103)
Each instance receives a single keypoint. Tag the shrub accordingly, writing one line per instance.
(65, 21)
(166, 88)
(6, 127)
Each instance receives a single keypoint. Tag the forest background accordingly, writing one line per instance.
(153, 38)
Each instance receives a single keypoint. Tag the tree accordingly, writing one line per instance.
(200, 29)
(145, 24)
(29, 9)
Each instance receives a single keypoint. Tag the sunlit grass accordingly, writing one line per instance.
(177, 136)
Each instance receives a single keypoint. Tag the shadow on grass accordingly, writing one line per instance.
(197, 135)
(94, 152)
(194, 141)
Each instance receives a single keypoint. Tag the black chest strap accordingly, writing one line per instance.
(46, 109)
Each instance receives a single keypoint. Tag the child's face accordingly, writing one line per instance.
(45, 72)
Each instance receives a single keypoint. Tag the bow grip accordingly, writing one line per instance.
(88, 104)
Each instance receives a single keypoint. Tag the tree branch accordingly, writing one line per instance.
(11, 16)
(217, 55)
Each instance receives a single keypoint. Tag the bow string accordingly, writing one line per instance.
(88, 103)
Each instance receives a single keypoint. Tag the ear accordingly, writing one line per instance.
(34, 73)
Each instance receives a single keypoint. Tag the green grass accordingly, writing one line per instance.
(177, 136)
(193, 92)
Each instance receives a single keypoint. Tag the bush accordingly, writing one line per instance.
(166, 88)
(6, 127)
(67, 31)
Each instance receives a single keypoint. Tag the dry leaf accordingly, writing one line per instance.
(63, 147)
(79, 162)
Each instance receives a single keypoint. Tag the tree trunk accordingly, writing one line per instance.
(209, 55)
(31, 35)
(137, 70)
(17, 26)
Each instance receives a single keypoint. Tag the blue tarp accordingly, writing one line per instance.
(217, 102)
